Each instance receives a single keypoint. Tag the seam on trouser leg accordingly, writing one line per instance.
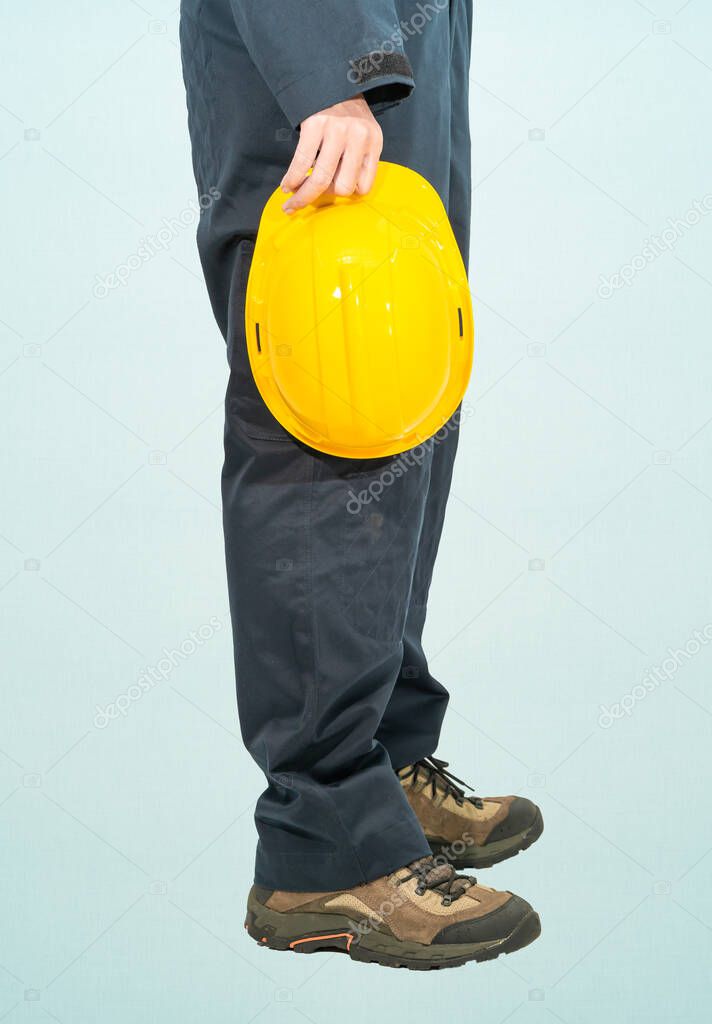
(356, 857)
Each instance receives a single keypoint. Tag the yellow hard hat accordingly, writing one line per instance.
(359, 319)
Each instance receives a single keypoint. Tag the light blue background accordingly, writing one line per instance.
(577, 547)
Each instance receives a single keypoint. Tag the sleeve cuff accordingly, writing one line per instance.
(384, 78)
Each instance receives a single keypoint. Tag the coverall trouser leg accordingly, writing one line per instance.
(328, 593)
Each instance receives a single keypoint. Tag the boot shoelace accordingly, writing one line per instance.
(435, 772)
(437, 877)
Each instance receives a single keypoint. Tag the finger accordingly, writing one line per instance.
(304, 156)
(322, 176)
(368, 172)
(347, 174)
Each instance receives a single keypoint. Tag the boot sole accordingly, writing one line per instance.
(493, 853)
(336, 933)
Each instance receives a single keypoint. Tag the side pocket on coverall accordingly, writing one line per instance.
(381, 517)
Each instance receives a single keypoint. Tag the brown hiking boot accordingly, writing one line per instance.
(472, 832)
(423, 916)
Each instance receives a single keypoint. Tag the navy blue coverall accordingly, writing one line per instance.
(329, 560)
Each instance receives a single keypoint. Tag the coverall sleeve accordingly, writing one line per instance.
(314, 53)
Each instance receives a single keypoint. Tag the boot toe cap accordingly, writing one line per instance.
(498, 924)
(522, 815)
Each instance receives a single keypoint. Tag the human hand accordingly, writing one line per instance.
(341, 145)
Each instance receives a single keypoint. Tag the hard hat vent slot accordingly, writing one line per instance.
(257, 333)
(459, 317)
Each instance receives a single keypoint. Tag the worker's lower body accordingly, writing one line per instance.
(329, 564)
(329, 560)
